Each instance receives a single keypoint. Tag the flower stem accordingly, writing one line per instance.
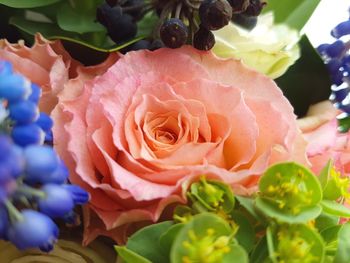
(14, 214)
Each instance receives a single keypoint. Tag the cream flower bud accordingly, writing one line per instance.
(268, 48)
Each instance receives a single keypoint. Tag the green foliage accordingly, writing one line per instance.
(295, 13)
(146, 242)
(343, 252)
(256, 229)
(73, 21)
(27, 3)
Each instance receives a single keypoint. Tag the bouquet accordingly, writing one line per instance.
(180, 131)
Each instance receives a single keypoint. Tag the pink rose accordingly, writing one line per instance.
(48, 65)
(320, 130)
(138, 135)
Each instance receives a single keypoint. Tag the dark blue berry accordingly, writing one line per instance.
(173, 33)
(24, 112)
(215, 14)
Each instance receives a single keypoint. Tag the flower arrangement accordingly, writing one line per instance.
(174, 131)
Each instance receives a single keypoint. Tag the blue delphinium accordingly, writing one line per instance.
(337, 59)
(33, 179)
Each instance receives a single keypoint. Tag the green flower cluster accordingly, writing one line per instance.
(293, 218)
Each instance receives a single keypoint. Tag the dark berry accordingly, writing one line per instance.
(239, 6)
(122, 28)
(156, 44)
(141, 44)
(255, 7)
(134, 7)
(247, 22)
(112, 2)
(173, 33)
(215, 14)
(203, 39)
(105, 14)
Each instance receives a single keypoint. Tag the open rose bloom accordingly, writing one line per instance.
(138, 135)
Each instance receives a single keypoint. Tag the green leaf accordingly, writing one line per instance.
(260, 252)
(343, 123)
(27, 3)
(147, 24)
(270, 210)
(145, 242)
(32, 27)
(129, 256)
(248, 204)
(324, 175)
(295, 13)
(324, 221)
(245, 234)
(343, 252)
(75, 20)
(334, 208)
(330, 234)
(307, 81)
(166, 240)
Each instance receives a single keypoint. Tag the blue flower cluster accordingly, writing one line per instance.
(337, 59)
(33, 189)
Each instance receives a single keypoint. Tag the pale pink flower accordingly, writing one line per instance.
(138, 135)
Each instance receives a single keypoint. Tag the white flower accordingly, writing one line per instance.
(268, 48)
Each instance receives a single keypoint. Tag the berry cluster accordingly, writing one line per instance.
(180, 21)
(32, 177)
(337, 59)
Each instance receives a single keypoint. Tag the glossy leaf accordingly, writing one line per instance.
(330, 234)
(343, 252)
(166, 240)
(27, 3)
(32, 27)
(334, 208)
(260, 252)
(145, 242)
(324, 221)
(129, 256)
(74, 20)
(245, 234)
(295, 13)
(324, 175)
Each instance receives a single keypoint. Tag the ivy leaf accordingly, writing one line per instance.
(295, 13)
(145, 242)
(73, 20)
(27, 3)
(32, 27)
